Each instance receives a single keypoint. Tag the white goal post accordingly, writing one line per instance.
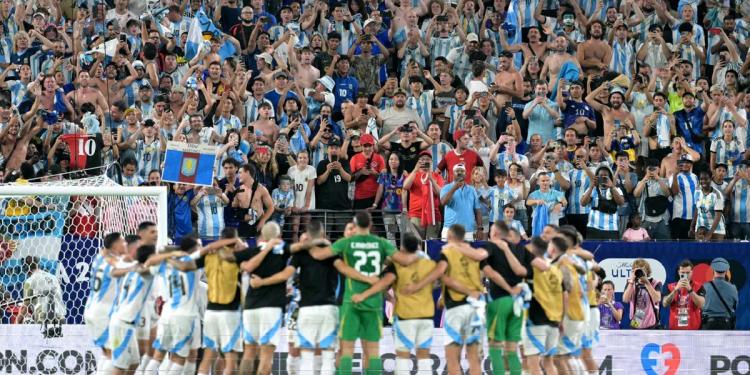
(160, 192)
(62, 224)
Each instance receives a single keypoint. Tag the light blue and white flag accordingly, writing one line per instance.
(195, 43)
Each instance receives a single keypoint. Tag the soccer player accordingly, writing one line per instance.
(264, 304)
(223, 318)
(458, 269)
(134, 291)
(567, 358)
(511, 263)
(176, 326)
(103, 285)
(414, 310)
(546, 306)
(366, 253)
(147, 234)
(42, 295)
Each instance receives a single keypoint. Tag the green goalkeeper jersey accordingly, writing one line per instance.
(367, 255)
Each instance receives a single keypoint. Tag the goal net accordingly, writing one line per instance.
(62, 224)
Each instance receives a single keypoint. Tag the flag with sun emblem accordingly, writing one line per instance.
(188, 163)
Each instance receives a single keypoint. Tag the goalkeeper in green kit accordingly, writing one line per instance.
(367, 254)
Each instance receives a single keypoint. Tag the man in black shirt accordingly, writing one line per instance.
(413, 141)
(506, 265)
(332, 186)
(230, 166)
(265, 300)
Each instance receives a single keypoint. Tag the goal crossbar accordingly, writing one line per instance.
(99, 191)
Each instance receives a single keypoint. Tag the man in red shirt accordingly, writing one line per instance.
(683, 300)
(460, 155)
(365, 167)
(424, 197)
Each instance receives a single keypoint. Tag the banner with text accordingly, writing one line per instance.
(25, 351)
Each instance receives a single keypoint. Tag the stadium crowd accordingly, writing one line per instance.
(628, 122)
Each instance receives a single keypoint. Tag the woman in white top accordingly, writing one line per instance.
(303, 177)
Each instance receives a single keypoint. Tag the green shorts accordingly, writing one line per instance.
(502, 324)
(359, 324)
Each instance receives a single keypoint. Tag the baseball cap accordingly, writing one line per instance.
(720, 265)
(335, 142)
(400, 91)
(266, 57)
(367, 139)
(369, 22)
(685, 158)
(145, 86)
(459, 166)
(138, 64)
(280, 74)
(472, 38)
(327, 82)
(458, 134)
(425, 153)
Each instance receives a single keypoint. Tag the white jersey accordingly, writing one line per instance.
(102, 285)
(300, 179)
(180, 288)
(132, 296)
(210, 216)
(47, 296)
(148, 156)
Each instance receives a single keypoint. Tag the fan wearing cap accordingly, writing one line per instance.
(721, 298)
(458, 57)
(462, 206)
(613, 112)
(460, 155)
(365, 167)
(282, 90)
(684, 186)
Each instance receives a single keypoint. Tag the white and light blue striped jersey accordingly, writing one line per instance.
(453, 113)
(412, 54)
(525, 13)
(729, 153)
(683, 202)
(17, 91)
(222, 124)
(499, 197)
(210, 216)
(134, 180)
(707, 206)
(180, 288)
(600, 220)
(741, 202)
(348, 36)
(622, 57)
(470, 24)
(135, 290)
(663, 131)
(642, 28)
(689, 54)
(423, 105)
(438, 151)
(102, 286)
(148, 156)
(441, 47)
(579, 183)
(515, 224)
(504, 160)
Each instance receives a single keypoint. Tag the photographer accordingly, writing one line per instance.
(683, 300)
(409, 147)
(606, 197)
(643, 294)
(653, 206)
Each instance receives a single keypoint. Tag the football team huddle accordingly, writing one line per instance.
(151, 311)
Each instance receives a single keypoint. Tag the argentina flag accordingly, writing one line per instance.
(513, 30)
(194, 44)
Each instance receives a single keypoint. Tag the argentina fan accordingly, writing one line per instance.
(399, 187)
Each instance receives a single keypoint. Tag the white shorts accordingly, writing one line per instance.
(197, 339)
(174, 334)
(469, 236)
(262, 326)
(570, 340)
(412, 334)
(458, 326)
(317, 326)
(124, 345)
(97, 323)
(143, 329)
(591, 333)
(222, 331)
(540, 339)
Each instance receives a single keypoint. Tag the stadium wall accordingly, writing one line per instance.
(619, 352)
